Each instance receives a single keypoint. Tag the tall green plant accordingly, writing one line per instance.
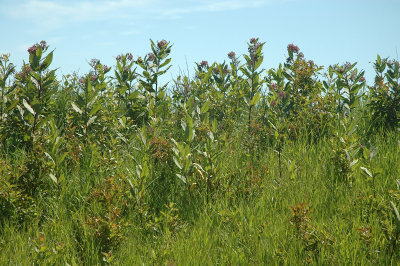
(154, 65)
(251, 70)
(385, 94)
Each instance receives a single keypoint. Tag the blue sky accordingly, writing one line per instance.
(327, 31)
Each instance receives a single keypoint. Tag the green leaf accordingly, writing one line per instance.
(166, 62)
(366, 171)
(207, 75)
(255, 99)
(189, 131)
(378, 59)
(178, 164)
(395, 211)
(205, 107)
(246, 72)
(54, 178)
(34, 61)
(214, 125)
(181, 177)
(91, 120)
(28, 107)
(47, 61)
(76, 108)
(259, 62)
(95, 108)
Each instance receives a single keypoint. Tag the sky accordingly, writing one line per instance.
(326, 31)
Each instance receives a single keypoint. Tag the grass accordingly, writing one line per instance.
(247, 226)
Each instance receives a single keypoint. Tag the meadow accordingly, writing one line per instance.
(235, 165)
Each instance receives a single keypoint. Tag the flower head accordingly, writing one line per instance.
(203, 63)
(293, 48)
(231, 55)
(129, 56)
(119, 57)
(105, 68)
(253, 40)
(282, 94)
(32, 49)
(162, 43)
(151, 57)
(44, 45)
(273, 103)
(273, 86)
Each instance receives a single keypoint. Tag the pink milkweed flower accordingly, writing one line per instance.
(44, 45)
(293, 48)
(119, 57)
(282, 94)
(162, 43)
(105, 68)
(253, 40)
(362, 79)
(151, 56)
(204, 63)
(92, 78)
(273, 86)
(32, 49)
(273, 103)
(129, 56)
(231, 55)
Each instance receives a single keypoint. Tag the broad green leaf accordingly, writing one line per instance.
(207, 75)
(181, 177)
(255, 99)
(47, 61)
(378, 59)
(28, 107)
(366, 171)
(178, 164)
(214, 125)
(76, 108)
(91, 120)
(54, 178)
(166, 62)
(95, 108)
(205, 107)
(258, 62)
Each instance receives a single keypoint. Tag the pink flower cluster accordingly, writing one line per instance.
(162, 43)
(273, 86)
(34, 47)
(293, 48)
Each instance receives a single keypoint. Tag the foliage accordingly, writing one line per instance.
(122, 167)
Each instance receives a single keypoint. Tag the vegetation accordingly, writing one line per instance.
(235, 165)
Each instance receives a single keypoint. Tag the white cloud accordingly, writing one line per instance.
(49, 15)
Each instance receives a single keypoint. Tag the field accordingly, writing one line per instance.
(297, 164)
